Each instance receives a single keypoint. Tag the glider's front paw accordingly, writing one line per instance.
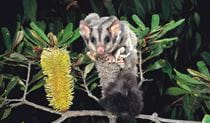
(110, 58)
(91, 55)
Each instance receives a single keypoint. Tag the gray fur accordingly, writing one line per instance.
(108, 73)
(120, 93)
(125, 38)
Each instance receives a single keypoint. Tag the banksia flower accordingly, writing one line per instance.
(59, 83)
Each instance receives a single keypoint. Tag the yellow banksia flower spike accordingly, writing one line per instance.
(59, 84)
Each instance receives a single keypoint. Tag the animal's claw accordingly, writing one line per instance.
(91, 55)
(110, 58)
(121, 62)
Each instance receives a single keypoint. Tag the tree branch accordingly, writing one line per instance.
(141, 73)
(16, 104)
(154, 117)
(87, 89)
(27, 80)
(64, 115)
(41, 107)
(14, 100)
(14, 65)
(112, 118)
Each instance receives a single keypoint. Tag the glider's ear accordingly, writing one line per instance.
(114, 29)
(84, 29)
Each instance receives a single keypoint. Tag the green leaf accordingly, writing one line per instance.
(68, 28)
(6, 113)
(201, 89)
(18, 57)
(206, 57)
(37, 76)
(60, 34)
(18, 38)
(67, 33)
(143, 33)
(92, 80)
(82, 58)
(18, 29)
(41, 25)
(197, 19)
(93, 86)
(186, 78)
(206, 119)
(157, 65)
(198, 42)
(197, 74)
(11, 85)
(168, 69)
(20, 47)
(39, 31)
(7, 38)
(29, 51)
(38, 85)
(75, 36)
(155, 22)
(172, 25)
(2, 102)
(207, 104)
(132, 27)
(37, 37)
(30, 8)
(179, 22)
(176, 91)
(155, 51)
(165, 40)
(79, 87)
(203, 68)
(188, 107)
(88, 68)
(164, 29)
(138, 21)
(21, 83)
(29, 36)
(182, 84)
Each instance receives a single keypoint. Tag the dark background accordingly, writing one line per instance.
(153, 101)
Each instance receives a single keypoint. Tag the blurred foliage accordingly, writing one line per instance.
(193, 89)
(206, 119)
(153, 21)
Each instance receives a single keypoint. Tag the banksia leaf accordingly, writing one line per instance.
(59, 85)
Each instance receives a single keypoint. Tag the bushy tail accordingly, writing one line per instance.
(127, 104)
(123, 96)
